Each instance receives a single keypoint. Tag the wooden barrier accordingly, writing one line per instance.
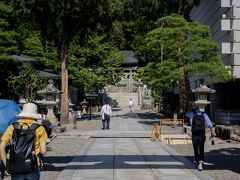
(172, 122)
(157, 131)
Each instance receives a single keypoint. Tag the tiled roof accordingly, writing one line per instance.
(129, 57)
(47, 75)
(22, 58)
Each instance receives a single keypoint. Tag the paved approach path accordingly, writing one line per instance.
(126, 153)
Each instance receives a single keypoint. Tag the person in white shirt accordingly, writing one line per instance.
(106, 112)
(130, 104)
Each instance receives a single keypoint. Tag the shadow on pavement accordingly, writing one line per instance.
(120, 162)
(149, 118)
(149, 115)
(150, 122)
(221, 159)
(63, 160)
(86, 117)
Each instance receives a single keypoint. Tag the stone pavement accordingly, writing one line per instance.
(125, 152)
(123, 124)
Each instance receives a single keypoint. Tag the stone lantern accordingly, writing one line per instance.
(70, 109)
(49, 95)
(84, 106)
(201, 96)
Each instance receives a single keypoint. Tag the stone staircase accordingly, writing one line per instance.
(120, 99)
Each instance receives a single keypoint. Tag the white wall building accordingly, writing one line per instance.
(223, 18)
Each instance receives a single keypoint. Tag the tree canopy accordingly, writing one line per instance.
(60, 22)
(178, 50)
(95, 64)
(8, 37)
(133, 18)
(8, 46)
(26, 83)
(83, 36)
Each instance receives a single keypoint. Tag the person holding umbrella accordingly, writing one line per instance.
(8, 110)
(25, 134)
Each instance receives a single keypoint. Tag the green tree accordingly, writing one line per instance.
(178, 50)
(26, 83)
(133, 18)
(8, 47)
(8, 43)
(33, 47)
(94, 64)
(50, 56)
(61, 21)
(43, 52)
(181, 7)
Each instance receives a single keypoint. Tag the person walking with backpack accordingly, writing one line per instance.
(26, 141)
(106, 112)
(198, 121)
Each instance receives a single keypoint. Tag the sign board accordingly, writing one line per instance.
(91, 96)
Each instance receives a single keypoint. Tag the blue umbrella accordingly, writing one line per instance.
(8, 111)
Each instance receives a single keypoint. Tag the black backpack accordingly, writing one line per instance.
(21, 160)
(198, 124)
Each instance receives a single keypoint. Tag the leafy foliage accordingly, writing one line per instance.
(63, 19)
(8, 47)
(26, 83)
(60, 22)
(95, 64)
(133, 18)
(178, 50)
(42, 51)
(8, 43)
(33, 47)
(182, 7)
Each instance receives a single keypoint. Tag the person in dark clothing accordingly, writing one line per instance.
(198, 121)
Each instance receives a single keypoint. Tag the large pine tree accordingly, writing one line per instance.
(60, 22)
(8, 46)
(8, 43)
(177, 50)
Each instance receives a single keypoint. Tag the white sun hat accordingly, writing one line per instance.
(29, 111)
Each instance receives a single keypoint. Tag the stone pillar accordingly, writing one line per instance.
(130, 82)
(50, 115)
(70, 112)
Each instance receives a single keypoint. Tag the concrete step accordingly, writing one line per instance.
(108, 134)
